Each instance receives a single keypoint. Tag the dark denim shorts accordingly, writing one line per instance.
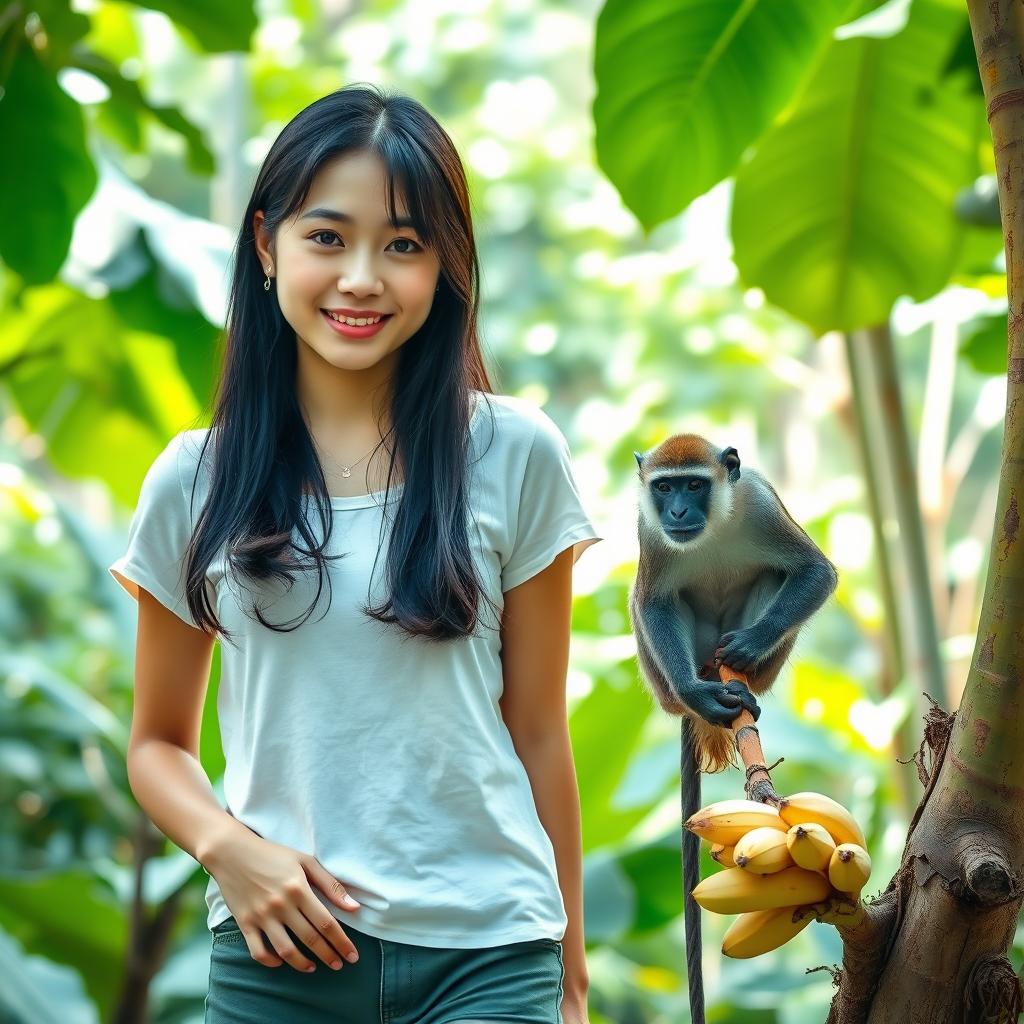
(391, 983)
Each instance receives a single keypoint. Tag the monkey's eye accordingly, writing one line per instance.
(696, 485)
(662, 486)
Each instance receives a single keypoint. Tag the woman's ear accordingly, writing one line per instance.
(263, 245)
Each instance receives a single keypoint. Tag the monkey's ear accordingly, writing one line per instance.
(639, 459)
(730, 458)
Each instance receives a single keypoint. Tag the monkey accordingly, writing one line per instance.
(725, 576)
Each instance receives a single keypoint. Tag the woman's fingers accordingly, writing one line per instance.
(258, 948)
(326, 937)
(286, 948)
(331, 887)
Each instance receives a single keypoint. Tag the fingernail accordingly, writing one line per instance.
(351, 902)
(352, 957)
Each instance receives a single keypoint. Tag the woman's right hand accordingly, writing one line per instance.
(267, 886)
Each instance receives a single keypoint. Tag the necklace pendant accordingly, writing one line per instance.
(345, 471)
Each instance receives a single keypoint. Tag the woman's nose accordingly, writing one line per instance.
(359, 272)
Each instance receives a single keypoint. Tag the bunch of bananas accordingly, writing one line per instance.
(777, 863)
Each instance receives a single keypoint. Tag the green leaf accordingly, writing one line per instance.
(127, 103)
(656, 871)
(986, 347)
(63, 28)
(71, 918)
(685, 86)
(218, 28)
(48, 176)
(962, 60)
(81, 716)
(606, 727)
(124, 392)
(32, 988)
(608, 898)
(849, 203)
(158, 303)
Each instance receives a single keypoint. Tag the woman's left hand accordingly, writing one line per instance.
(574, 1008)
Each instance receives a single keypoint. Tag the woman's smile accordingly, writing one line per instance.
(366, 329)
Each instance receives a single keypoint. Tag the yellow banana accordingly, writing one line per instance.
(849, 868)
(735, 891)
(760, 931)
(810, 846)
(840, 823)
(763, 851)
(723, 854)
(728, 820)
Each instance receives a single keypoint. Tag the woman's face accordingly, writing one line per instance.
(359, 263)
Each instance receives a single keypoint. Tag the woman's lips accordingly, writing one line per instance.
(347, 331)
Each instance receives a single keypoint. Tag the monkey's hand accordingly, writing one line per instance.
(720, 704)
(744, 649)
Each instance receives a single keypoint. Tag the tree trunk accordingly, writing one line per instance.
(933, 947)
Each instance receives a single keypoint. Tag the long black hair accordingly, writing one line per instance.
(264, 458)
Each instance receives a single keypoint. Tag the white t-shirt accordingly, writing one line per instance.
(383, 755)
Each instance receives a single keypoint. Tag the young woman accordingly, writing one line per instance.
(397, 735)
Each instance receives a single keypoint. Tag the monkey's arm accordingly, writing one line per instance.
(667, 629)
(805, 589)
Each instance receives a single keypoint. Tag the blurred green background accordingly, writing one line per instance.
(760, 221)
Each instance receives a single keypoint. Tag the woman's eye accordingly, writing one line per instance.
(334, 234)
(414, 245)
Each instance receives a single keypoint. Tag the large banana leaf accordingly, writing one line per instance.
(685, 86)
(848, 203)
(47, 175)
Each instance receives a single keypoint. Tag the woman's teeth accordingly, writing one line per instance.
(353, 322)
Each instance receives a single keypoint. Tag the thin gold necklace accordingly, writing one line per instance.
(346, 471)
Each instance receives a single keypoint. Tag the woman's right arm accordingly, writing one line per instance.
(265, 885)
(172, 670)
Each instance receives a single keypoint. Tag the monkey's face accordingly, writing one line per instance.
(681, 502)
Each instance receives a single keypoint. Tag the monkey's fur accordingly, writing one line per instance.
(726, 577)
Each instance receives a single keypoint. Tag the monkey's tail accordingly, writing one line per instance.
(689, 774)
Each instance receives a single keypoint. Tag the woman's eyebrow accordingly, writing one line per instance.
(322, 213)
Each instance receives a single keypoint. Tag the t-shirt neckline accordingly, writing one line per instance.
(375, 498)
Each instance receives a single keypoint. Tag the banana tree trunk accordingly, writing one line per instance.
(933, 947)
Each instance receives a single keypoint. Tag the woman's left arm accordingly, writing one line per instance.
(535, 660)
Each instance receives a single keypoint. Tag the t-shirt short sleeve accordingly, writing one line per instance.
(158, 535)
(548, 514)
